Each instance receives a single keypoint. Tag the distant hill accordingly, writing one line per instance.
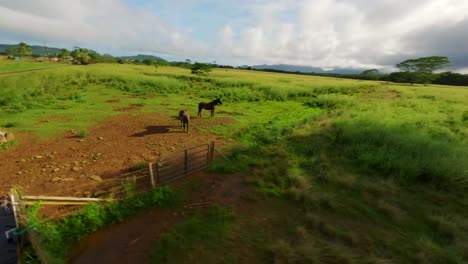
(40, 50)
(306, 69)
(143, 57)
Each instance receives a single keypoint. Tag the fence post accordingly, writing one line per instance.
(185, 162)
(150, 167)
(211, 152)
(158, 180)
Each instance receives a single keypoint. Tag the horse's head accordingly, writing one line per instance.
(218, 101)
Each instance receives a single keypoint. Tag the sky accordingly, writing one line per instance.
(359, 34)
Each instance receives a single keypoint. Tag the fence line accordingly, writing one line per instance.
(166, 169)
(182, 163)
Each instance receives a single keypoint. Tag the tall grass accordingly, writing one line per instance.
(401, 151)
(30, 90)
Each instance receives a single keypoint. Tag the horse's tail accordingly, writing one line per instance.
(186, 117)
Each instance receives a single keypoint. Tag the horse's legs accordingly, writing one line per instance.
(212, 112)
(199, 111)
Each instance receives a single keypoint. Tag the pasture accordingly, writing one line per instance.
(27, 64)
(371, 171)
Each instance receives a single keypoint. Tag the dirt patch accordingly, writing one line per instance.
(132, 241)
(113, 101)
(63, 165)
(55, 118)
(132, 107)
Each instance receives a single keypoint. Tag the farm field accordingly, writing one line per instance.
(322, 170)
(13, 66)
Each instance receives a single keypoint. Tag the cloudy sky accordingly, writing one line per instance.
(320, 33)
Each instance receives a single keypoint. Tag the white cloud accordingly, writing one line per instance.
(105, 24)
(325, 33)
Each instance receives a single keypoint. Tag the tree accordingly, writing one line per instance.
(424, 64)
(64, 54)
(148, 62)
(84, 56)
(370, 72)
(11, 51)
(420, 70)
(201, 68)
(452, 78)
(23, 49)
(410, 77)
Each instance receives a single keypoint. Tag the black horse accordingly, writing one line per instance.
(184, 118)
(209, 106)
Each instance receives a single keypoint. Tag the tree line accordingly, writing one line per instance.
(418, 70)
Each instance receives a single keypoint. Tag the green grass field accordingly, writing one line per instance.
(378, 170)
(25, 64)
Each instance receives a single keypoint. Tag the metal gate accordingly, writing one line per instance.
(182, 163)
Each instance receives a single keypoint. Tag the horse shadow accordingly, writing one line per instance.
(156, 130)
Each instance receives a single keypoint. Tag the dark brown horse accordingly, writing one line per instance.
(209, 106)
(184, 118)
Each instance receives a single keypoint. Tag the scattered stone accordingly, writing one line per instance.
(19, 172)
(56, 169)
(56, 179)
(38, 157)
(100, 138)
(68, 179)
(75, 168)
(96, 177)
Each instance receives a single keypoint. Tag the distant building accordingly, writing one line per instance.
(54, 59)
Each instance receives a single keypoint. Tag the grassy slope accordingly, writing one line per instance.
(377, 170)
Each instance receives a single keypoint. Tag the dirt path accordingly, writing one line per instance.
(133, 240)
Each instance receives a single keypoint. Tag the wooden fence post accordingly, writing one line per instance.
(212, 148)
(185, 162)
(158, 180)
(150, 167)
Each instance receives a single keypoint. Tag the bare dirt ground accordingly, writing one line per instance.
(64, 164)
